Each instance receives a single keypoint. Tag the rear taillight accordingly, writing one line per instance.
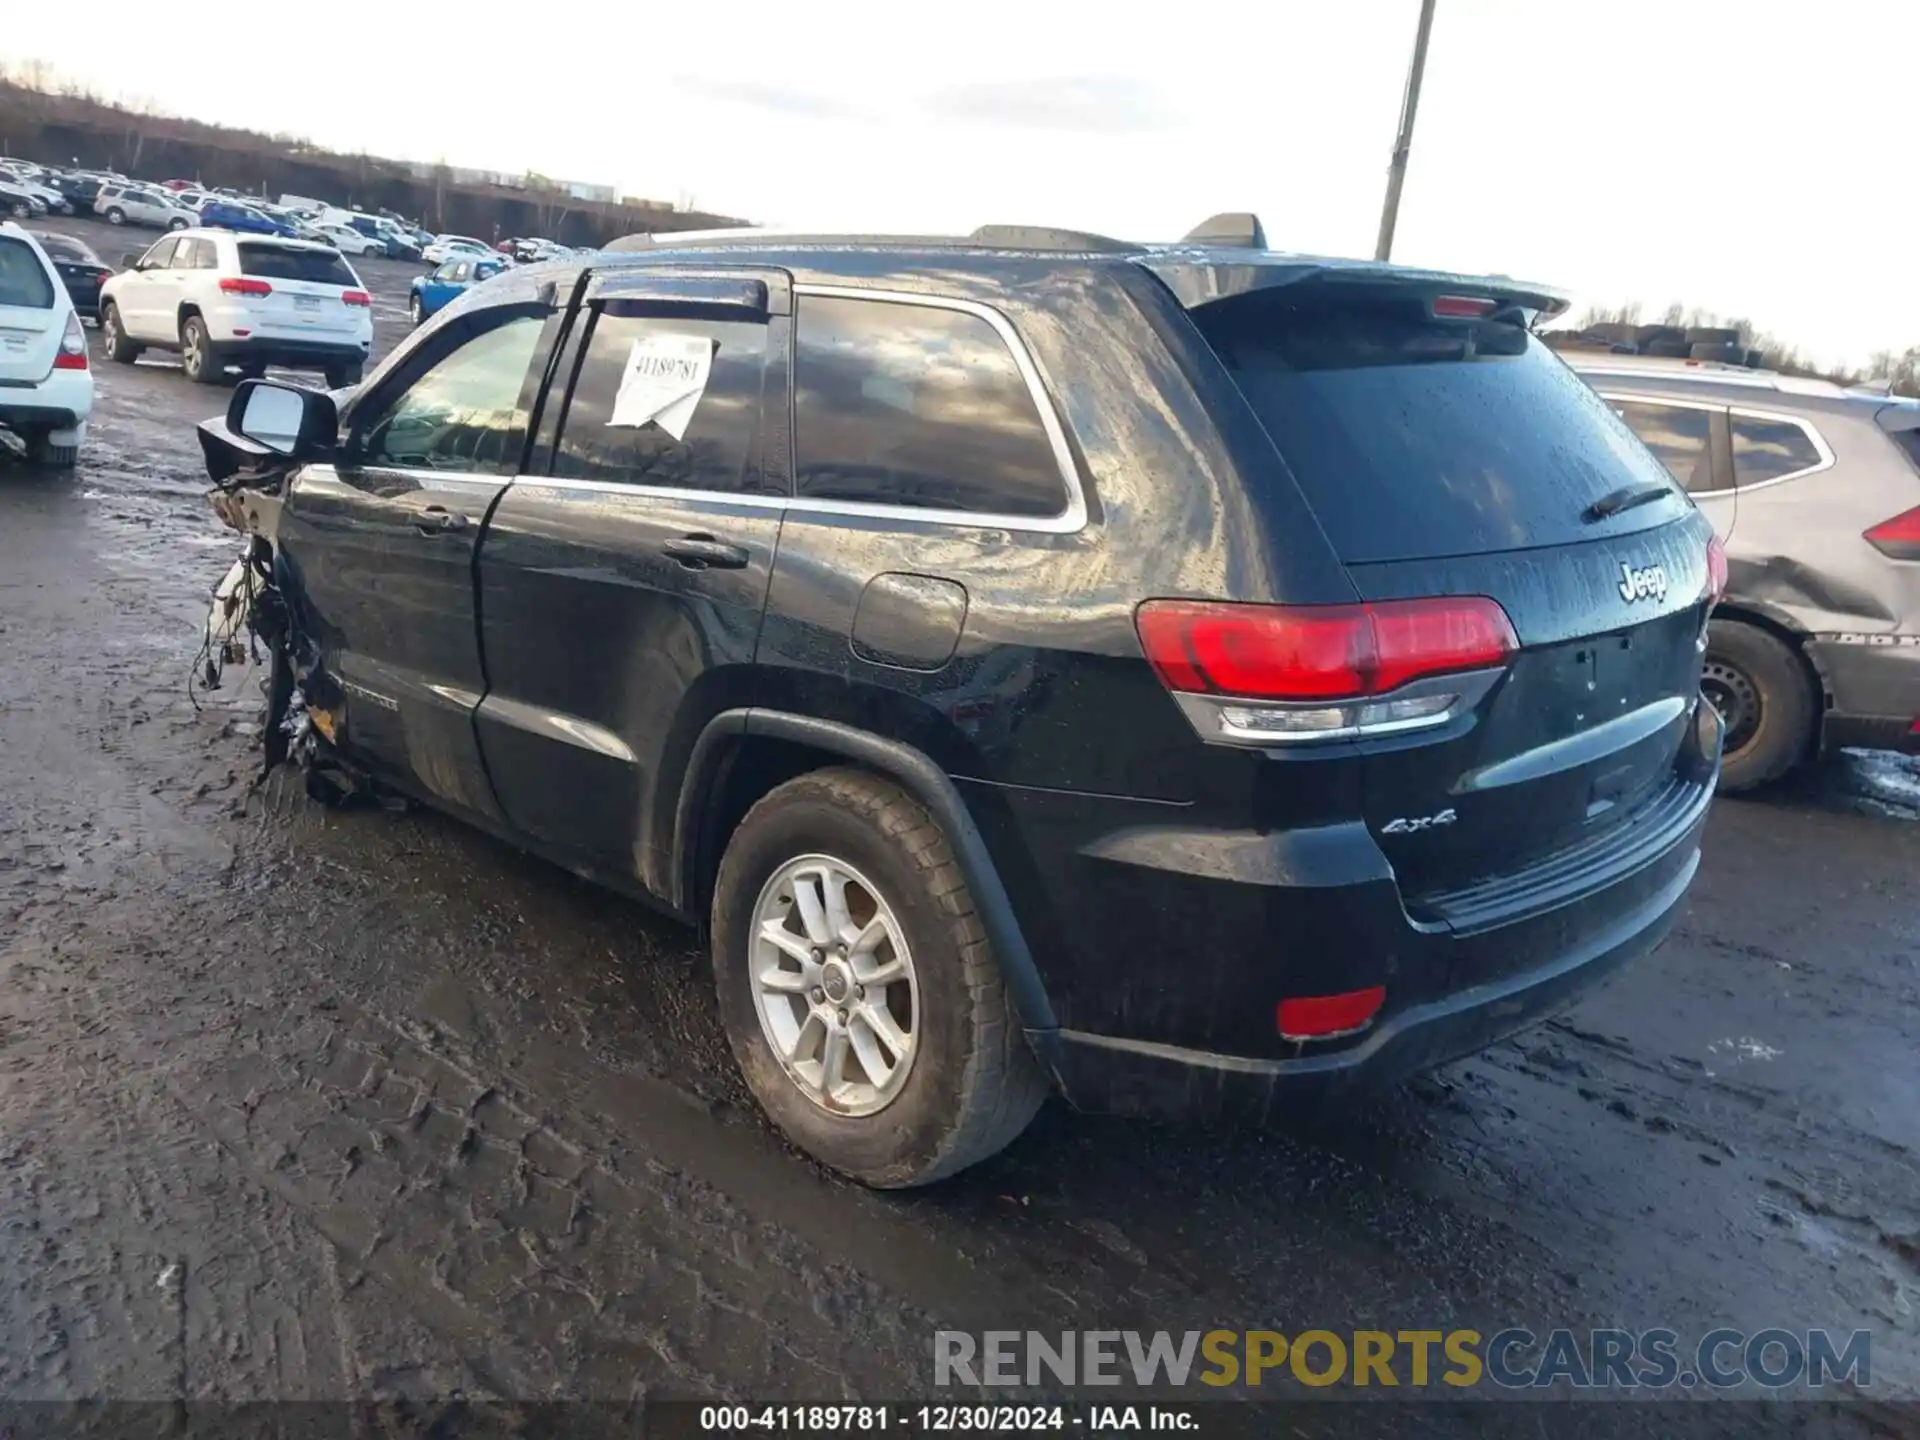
(1274, 674)
(1322, 1017)
(355, 297)
(244, 285)
(1716, 571)
(72, 354)
(1898, 538)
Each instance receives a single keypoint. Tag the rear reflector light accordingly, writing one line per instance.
(245, 285)
(1462, 307)
(1321, 1017)
(1898, 538)
(355, 297)
(1319, 652)
(1716, 571)
(72, 354)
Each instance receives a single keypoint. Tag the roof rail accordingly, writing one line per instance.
(1047, 237)
(1238, 228)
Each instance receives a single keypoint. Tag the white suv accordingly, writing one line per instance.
(46, 389)
(245, 301)
(142, 205)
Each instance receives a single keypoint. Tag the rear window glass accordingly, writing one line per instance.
(1769, 449)
(61, 247)
(23, 279)
(283, 262)
(1415, 438)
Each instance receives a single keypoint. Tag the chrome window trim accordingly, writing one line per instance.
(1072, 518)
(1805, 426)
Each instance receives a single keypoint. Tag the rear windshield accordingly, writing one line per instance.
(283, 262)
(62, 247)
(1416, 438)
(23, 279)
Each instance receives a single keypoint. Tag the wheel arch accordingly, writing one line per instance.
(743, 754)
(1785, 631)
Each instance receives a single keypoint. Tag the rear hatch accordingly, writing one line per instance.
(311, 292)
(1447, 452)
(30, 329)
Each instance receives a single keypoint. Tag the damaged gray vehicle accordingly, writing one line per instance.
(1815, 491)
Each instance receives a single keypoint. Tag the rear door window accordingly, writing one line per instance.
(284, 262)
(709, 444)
(1770, 449)
(24, 282)
(900, 404)
(1416, 438)
(1680, 436)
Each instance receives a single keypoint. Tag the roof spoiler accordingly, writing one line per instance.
(1236, 228)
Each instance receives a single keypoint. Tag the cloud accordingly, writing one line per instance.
(798, 103)
(1102, 103)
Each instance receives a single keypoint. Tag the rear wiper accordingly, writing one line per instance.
(1625, 498)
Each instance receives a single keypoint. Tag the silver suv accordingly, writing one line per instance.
(1815, 490)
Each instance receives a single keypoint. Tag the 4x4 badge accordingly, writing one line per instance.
(1648, 583)
(1408, 824)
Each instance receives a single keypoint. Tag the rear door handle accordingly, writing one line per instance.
(703, 552)
(438, 520)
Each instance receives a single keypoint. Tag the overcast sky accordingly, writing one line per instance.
(1750, 158)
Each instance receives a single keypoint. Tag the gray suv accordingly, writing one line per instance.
(1815, 491)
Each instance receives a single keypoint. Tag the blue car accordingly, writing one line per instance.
(242, 219)
(438, 288)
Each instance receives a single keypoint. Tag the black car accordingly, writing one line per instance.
(1192, 678)
(81, 271)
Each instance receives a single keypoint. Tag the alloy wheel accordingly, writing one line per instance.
(834, 985)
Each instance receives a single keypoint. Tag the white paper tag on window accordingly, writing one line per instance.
(665, 377)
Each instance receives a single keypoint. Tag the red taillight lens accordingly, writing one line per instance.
(355, 297)
(1315, 1017)
(244, 285)
(1898, 538)
(1319, 652)
(72, 354)
(1462, 307)
(1716, 571)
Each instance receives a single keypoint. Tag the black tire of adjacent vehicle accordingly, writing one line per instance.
(413, 308)
(197, 362)
(119, 348)
(975, 1084)
(341, 376)
(1789, 705)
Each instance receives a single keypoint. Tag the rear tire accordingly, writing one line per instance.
(113, 337)
(413, 309)
(197, 360)
(1767, 699)
(341, 376)
(968, 1084)
(116, 216)
(21, 210)
(178, 224)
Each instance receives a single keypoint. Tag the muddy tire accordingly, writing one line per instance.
(113, 338)
(197, 360)
(876, 941)
(1766, 696)
(42, 451)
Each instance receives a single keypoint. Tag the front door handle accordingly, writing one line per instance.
(703, 552)
(438, 520)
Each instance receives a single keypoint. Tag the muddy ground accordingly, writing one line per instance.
(310, 1104)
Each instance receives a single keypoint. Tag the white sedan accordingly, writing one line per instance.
(349, 241)
(447, 247)
(46, 387)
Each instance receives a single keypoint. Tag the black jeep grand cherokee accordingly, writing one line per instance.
(1190, 677)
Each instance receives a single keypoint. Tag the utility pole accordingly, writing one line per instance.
(1403, 142)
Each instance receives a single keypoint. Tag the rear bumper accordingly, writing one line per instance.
(297, 354)
(1463, 972)
(1874, 682)
(60, 402)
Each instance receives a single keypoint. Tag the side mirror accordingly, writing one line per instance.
(285, 419)
(130, 260)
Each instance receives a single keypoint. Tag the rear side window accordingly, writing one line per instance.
(639, 416)
(283, 262)
(1414, 438)
(1679, 437)
(23, 279)
(1770, 449)
(899, 404)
